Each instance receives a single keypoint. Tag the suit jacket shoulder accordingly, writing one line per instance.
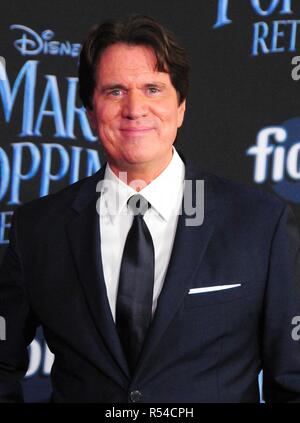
(235, 201)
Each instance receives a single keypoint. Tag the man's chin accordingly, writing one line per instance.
(140, 157)
(138, 162)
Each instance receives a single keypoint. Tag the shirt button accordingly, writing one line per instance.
(135, 396)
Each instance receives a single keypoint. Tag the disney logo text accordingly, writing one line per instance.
(31, 43)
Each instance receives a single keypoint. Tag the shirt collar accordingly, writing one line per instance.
(164, 193)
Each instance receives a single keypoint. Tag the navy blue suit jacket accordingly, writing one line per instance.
(205, 347)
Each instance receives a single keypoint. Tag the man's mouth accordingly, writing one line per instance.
(136, 130)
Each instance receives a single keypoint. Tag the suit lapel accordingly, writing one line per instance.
(84, 236)
(189, 248)
(188, 251)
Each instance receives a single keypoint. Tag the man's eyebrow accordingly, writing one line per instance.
(109, 87)
(155, 84)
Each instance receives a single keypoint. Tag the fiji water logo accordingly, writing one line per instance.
(31, 43)
(277, 159)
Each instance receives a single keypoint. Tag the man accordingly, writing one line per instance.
(138, 303)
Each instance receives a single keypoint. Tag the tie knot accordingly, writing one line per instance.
(138, 204)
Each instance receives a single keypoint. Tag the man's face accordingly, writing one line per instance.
(135, 108)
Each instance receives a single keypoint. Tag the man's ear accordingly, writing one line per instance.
(181, 112)
(92, 118)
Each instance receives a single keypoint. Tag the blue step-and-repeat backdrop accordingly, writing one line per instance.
(243, 114)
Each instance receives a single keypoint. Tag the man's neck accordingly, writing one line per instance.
(140, 175)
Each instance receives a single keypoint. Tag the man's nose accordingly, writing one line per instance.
(134, 105)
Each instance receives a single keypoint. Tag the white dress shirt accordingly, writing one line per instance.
(164, 194)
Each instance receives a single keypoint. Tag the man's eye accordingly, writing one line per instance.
(153, 90)
(117, 92)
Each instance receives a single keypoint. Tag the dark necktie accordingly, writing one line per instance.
(135, 291)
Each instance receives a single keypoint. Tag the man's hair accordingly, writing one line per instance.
(135, 30)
